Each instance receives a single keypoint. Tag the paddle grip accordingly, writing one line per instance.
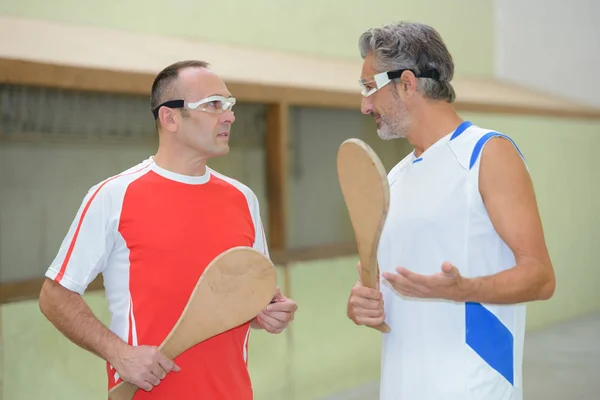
(123, 391)
(383, 327)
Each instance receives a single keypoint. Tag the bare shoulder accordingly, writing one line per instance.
(508, 193)
(504, 180)
(503, 164)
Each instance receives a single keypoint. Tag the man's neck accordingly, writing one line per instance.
(432, 122)
(179, 162)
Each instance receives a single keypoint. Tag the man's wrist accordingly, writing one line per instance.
(468, 287)
(114, 349)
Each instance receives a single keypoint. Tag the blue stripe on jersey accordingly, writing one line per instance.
(461, 128)
(418, 159)
(490, 339)
(481, 142)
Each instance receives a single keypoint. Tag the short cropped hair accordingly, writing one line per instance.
(163, 87)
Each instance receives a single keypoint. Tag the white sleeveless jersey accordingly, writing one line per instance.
(438, 349)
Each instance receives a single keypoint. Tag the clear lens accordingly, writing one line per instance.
(373, 83)
(213, 104)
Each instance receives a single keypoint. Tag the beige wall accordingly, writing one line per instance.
(322, 28)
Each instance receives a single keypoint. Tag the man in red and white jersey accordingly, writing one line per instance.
(151, 231)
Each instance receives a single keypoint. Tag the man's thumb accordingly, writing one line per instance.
(449, 269)
(278, 296)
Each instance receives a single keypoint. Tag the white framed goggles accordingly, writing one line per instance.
(216, 104)
(372, 84)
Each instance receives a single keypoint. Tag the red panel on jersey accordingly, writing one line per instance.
(173, 230)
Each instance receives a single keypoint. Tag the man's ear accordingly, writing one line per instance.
(168, 119)
(408, 83)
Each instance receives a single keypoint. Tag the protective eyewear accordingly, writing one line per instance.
(214, 104)
(372, 84)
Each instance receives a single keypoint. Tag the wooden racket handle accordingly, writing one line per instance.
(383, 327)
(123, 391)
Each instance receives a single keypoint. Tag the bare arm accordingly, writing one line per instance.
(143, 366)
(508, 194)
(71, 315)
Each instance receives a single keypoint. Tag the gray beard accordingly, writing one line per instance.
(389, 131)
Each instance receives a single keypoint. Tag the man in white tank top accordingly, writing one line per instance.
(462, 249)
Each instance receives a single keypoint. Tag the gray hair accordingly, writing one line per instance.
(415, 46)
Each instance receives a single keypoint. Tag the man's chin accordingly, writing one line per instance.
(385, 135)
(223, 151)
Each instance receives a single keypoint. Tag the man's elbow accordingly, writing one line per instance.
(47, 296)
(548, 284)
(43, 297)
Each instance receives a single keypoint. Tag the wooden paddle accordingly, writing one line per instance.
(366, 191)
(233, 289)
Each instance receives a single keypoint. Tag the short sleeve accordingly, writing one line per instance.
(260, 240)
(84, 251)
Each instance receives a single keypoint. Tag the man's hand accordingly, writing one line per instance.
(365, 305)
(277, 315)
(447, 284)
(144, 366)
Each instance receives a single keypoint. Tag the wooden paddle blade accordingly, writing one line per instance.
(366, 192)
(233, 289)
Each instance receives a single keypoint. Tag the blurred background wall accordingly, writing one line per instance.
(56, 144)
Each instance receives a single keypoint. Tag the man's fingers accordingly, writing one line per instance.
(167, 364)
(393, 278)
(145, 386)
(366, 304)
(277, 315)
(399, 281)
(151, 378)
(159, 372)
(270, 324)
(412, 276)
(367, 293)
(368, 313)
(404, 286)
(271, 321)
(370, 321)
(286, 306)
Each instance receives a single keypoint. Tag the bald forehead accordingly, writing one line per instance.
(197, 83)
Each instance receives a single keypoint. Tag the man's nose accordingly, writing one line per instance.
(228, 117)
(366, 107)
